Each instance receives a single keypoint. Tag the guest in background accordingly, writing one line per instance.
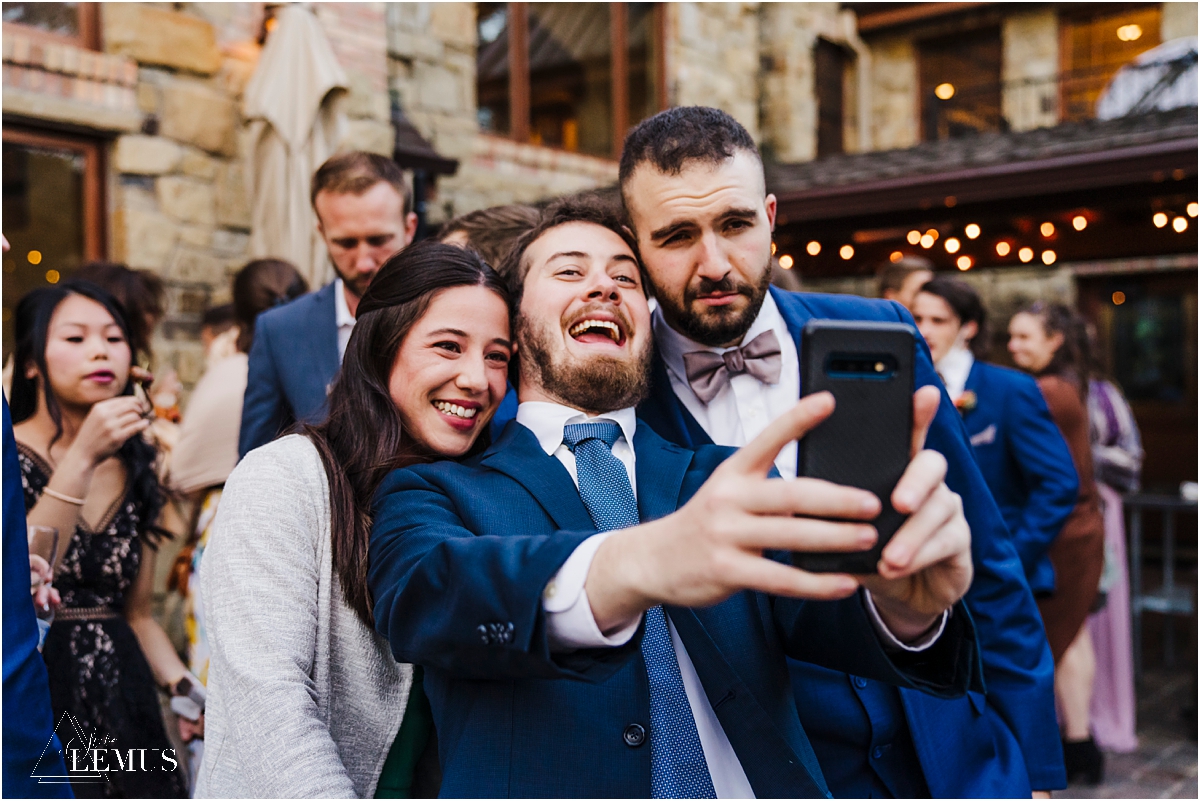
(1045, 339)
(492, 232)
(900, 280)
(363, 204)
(89, 473)
(305, 698)
(1117, 460)
(208, 440)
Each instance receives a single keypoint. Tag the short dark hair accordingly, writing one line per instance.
(893, 274)
(967, 306)
(142, 296)
(220, 317)
(356, 172)
(585, 207)
(260, 285)
(492, 232)
(671, 139)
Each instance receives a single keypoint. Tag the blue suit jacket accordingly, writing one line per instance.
(966, 747)
(1025, 461)
(293, 360)
(28, 719)
(460, 554)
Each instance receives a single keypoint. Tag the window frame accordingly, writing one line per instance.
(89, 30)
(520, 90)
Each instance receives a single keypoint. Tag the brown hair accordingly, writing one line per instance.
(967, 306)
(260, 285)
(356, 172)
(142, 296)
(893, 274)
(586, 207)
(492, 232)
(362, 439)
(1072, 360)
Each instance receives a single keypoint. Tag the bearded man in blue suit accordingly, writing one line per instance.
(601, 613)
(693, 188)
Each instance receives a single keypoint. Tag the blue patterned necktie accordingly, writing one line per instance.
(677, 765)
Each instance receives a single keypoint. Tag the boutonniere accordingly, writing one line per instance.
(966, 402)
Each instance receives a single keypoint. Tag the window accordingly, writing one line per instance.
(830, 61)
(53, 212)
(70, 23)
(546, 72)
(960, 84)
(1094, 46)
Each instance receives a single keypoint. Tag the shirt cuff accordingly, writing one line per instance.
(890, 643)
(570, 623)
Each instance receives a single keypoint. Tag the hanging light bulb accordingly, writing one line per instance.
(913, 237)
(1079, 222)
(1160, 220)
(1003, 248)
(926, 241)
(895, 256)
(952, 245)
(964, 262)
(1047, 229)
(972, 230)
(1049, 257)
(1025, 255)
(846, 252)
(1191, 209)
(1179, 224)
(813, 248)
(786, 261)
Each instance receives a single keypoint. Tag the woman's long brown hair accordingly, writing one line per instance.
(362, 439)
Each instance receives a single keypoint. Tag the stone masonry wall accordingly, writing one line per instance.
(1030, 63)
(713, 58)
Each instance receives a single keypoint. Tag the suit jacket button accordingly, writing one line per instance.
(634, 735)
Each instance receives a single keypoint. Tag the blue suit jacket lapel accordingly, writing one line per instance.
(666, 415)
(321, 344)
(518, 455)
(660, 471)
(974, 377)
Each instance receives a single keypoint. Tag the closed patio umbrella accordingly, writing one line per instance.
(293, 105)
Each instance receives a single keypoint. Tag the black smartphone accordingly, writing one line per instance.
(865, 443)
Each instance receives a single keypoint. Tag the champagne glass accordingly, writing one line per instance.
(43, 541)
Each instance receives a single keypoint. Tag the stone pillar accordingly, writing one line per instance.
(894, 87)
(1029, 69)
(713, 58)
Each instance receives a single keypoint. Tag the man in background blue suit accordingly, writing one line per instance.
(583, 638)
(29, 740)
(693, 187)
(364, 213)
(1018, 446)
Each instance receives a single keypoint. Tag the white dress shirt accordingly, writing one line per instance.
(343, 317)
(955, 368)
(744, 406)
(569, 620)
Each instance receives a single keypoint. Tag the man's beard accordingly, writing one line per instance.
(597, 384)
(718, 326)
(356, 284)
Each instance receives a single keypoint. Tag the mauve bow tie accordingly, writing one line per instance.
(707, 372)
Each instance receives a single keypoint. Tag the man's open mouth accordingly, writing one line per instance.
(592, 330)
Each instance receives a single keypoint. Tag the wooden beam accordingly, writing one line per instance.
(518, 71)
(618, 17)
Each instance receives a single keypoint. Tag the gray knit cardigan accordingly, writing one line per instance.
(303, 699)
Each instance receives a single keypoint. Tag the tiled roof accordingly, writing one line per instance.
(984, 150)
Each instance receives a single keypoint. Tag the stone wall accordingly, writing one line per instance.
(893, 94)
(1178, 19)
(713, 58)
(1030, 63)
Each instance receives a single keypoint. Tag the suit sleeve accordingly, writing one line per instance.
(466, 604)
(1017, 666)
(264, 408)
(1047, 469)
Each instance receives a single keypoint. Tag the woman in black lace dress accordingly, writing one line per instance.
(88, 472)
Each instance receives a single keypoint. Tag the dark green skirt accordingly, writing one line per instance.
(396, 780)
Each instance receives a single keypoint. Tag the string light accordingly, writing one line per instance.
(1049, 257)
(1179, 224)
(786, 261)
(813, 248)
(964, 262)
(1003, 248)
(1129, 33)
(1047, 229)
(913, 237)
(1160, 220)
(34, 257)
(1118, 298)
(772, 248)
(52, 276)
(1191, 209)
(944, 91)
(926, 241)
(896, 256)
(1079, 222)
(952, 245)
(1025, 255)
(972, 231)
(933, 233)
(847, 252)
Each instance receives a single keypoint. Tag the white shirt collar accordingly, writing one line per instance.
(547, 420)
(672, 345)
(341, 310)
(955, 369)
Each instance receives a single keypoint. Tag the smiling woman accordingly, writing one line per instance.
(288, 610)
